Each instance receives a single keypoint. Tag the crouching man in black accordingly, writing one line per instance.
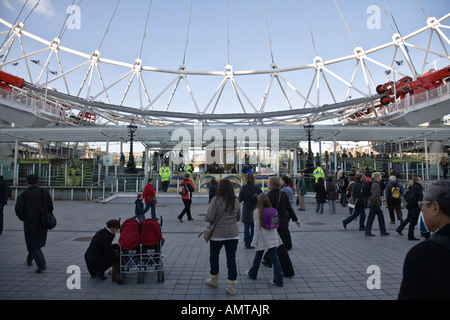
(100, 254)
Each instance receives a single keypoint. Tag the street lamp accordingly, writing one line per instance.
(309, 128)
(131, 166)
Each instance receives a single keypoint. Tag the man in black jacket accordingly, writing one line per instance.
(413, 209)
(100, 254)
(357, 200)
(426, 268)
(29, 208)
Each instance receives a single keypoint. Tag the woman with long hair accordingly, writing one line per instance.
(224, 206)
(265, 239)
(279, 201)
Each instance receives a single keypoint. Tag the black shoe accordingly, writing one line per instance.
(41, 269)
(345, 225)
(369, 235)
(385, 234)
(413, 238)
(101, 276)
(266, 264)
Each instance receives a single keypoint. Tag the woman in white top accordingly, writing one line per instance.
(265, 239)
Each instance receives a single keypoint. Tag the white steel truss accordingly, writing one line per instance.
(134, 72)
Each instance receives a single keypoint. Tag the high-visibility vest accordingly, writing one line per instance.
(189, 170)
(164, 173)
(318, 173)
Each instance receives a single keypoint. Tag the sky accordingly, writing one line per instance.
(221, 32)
(248, 25)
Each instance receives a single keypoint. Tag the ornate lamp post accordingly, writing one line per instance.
(131, 166)
(309, 128)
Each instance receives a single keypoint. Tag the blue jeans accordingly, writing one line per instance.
(230, 250)
(319, 208)
(277, 273)
(249, 231)
(153, 211)
(357, 211)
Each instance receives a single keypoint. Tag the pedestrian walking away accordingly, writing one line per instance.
(265, 239)
(279, 201)
(375, 203)
(149, 196)
(393, 192)
(426, 267)
(332, 193)
(30, 206)
(301, 191)
(412, 197)
(249, 196)
(321, 195)
(226, 234)
(186, 189)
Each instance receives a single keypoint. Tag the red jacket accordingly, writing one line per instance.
(148, 193)
(190, 186)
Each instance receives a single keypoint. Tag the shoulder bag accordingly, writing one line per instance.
(48, 219)
(210, 228)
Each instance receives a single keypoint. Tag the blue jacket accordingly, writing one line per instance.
(139, 207)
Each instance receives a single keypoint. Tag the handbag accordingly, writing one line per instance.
(352, 203)
(153, 200)
(48, 219)
(207, 234)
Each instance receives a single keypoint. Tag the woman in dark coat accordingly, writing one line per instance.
(249, 194)
(100, 254)
(321, 195)
(29, 208)
(279, 201)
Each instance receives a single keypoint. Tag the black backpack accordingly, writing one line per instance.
(183, 190)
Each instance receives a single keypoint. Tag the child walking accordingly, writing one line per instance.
(265, 239)
(139, 208)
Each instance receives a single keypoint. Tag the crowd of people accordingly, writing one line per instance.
(272, 243)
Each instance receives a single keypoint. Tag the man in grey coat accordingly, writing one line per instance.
(29, 209)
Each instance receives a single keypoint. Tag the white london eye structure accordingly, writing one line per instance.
(84, 91)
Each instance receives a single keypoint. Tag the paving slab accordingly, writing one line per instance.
(330, 263)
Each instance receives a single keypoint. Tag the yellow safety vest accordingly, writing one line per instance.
(318, 173)
(189, 170)
(164, 173)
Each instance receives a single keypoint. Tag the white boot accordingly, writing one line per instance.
(213, 280)
(231, 288)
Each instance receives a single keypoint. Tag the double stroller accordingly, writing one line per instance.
(140, 246)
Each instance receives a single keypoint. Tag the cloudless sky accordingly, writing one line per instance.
(207, 50)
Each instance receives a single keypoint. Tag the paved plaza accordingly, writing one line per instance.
(330, 262)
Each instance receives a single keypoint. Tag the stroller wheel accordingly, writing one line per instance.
(120, 278)
(160, 276)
